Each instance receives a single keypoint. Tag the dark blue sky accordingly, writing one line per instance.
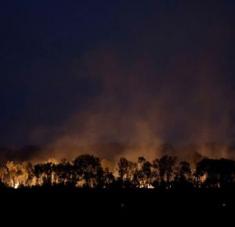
(48, 47)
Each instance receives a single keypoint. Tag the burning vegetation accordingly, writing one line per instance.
(88, 171)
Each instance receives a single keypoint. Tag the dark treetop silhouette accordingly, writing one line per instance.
(86, 171)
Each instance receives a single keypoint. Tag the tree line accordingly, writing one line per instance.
(86, 171)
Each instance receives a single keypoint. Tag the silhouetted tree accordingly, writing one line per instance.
(143, 173)
(108, 179)
(89, 169)
(155, 173)
(65, 173)
(184, 171)
(183, 177)
(215, 173)
(43, 173)
(126, 171)
(166, 168)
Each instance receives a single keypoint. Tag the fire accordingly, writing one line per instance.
(203, 178)
(17, 184)
(147, 186)
(90, 171)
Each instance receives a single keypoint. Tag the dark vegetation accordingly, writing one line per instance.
(137, 189)
(164, 185)
(86, 172)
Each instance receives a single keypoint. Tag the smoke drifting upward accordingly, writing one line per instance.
(167, 84)
(142, 106)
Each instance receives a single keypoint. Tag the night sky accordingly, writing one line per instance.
(110, 67)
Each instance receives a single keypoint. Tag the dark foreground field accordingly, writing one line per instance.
(73, 205)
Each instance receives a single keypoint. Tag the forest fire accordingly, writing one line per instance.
(86, 171)
(116, 108)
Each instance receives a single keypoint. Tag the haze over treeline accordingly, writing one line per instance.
(110, 153)
(135, 76)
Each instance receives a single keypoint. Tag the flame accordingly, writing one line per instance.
(23, 174)
(16, 185)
